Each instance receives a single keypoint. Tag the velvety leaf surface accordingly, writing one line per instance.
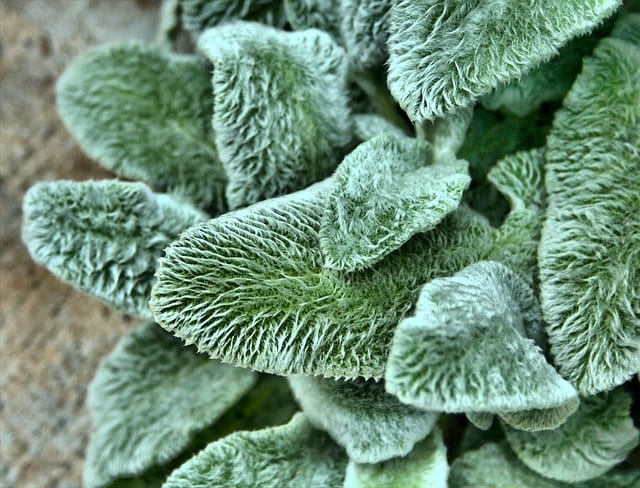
(149, 398)
(365, 31)
(540, 419)
(104, 237)
(445, 54)
(291, 456)
(590, 249)
(249, 288)
(450, 132)
(314, 14)
(361, 416)
(368, 126)
(146, 114)
(425, 466)
(384, 192)
(466, 349)
(593, 440)
(281, 113)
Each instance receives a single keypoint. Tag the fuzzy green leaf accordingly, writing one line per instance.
(467, 347)
(590, 249)
(444, 54)
(425, 466)
(370, 424)
(593, 440)
(368, 126)
(104, 237)
(291, 456)
(146, 114)
(540, 419)
(148, 400)
(249, 288)
(384, 192)
(281, 112)
(365, 31)
(314, 14)
(450, 132)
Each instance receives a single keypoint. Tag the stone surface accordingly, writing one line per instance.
(51, 337)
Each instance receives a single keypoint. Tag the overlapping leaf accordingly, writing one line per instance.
(467, 347)
(314, 14)
(104, 237)
(449, 133)
(146, 114)
(446, 54)
(590, 249)
(149, 399)
(368, 126)
(293, 455)
(370, 424)
(384, 192)
(425, 466)
(281, 112)
(365, 30)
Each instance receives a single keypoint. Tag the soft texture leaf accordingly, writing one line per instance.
(540, 419)
(104, 237)
(281, 113)
(384, 192)
(368, 126)
(149, 398)
(365, 30)
(590, 249)
(444, 54)
(361, 416)
(314, 14)
(466, 349)
(425, 466)
(450, 132)
(593, 440)
(248, 287)
(146, 114)
(291, 456)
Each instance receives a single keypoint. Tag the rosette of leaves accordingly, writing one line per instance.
(391, 305)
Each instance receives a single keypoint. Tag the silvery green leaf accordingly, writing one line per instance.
(368, 126)
(148, 400)
(365, 31)
(444, 54)
(449, 133)
(466, 349)
(199, 15)
(146, 114)
(384, 192)
(104, 237)
(281, 112)
(480, 420)
(425, 466)
(361, 416)
(593, 440)
(590, 248)
(290, 456)
(249, 288)
(540, 419)
(314, 14)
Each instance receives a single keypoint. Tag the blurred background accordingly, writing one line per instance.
(51, 337)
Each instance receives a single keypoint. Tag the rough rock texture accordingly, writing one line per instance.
(51, 337)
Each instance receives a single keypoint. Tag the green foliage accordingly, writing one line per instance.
(540, 419)
(590, 249)
(449, 133)
(104, 237)
(146, 114)
(467, 347)
(314, 14)
(370, 424)
(290, 456)
(445, 54)
(425, 466)
(281, 113)
(365, 31)
(593, 440)
(149, 398)
(627, 28)
(480, 420)
(384, 192)
(368, 126)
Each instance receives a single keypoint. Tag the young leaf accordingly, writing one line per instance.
(248, 287)
(384, 192)
(445, 54)
(590, 249)
(148, 400)
(314, 14)
(293, 455)
(281, 113)
(361, 416)
(146, 114)
(425, 466)
(104, 237)
(368, 126)
(365, 30)
(593, 440)
(466, 349)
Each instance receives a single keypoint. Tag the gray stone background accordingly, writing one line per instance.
(51, 337)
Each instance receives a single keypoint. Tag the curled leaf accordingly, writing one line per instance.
(370, 424)
(148, 400)
(146, 114)
(104, 237)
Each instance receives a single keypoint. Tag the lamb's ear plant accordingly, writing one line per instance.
(454, 302)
